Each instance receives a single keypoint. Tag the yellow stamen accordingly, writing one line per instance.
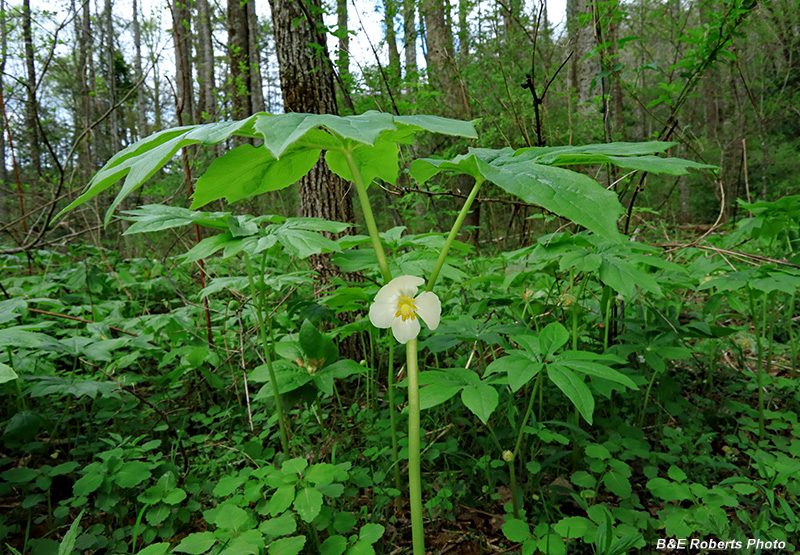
(406, 308)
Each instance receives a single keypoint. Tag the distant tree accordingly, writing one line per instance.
(307, 85)
(31, 120)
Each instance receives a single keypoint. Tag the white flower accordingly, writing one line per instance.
(397, 306)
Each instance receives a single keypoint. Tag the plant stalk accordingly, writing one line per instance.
(454, 233)
(414, 475)
(369, 218)
(257, 308)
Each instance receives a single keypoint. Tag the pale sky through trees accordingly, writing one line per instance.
(369, 12)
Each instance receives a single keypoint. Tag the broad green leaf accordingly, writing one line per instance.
(597, 370)
(334, 545)
(158, 217)
(282, 499)
(574, 527)
(132, 474)
(481, 399)
(287, 546)
(87, 484)
(308, 503)
(20, 337)
(361, 548)
(196, 543)
(322, 473)
(618, 484)
(20, 475)
(371, 532)
(282, 525)
(669, 491)
(157, 514)
(657, 164)
(437, 393)
(519, 369)
(516, 530)
(282, 131)
(378, 161)
(303, 243)
(154, 549)
(68, 542)
(227, 485)
(552, 154)
(247, 171)
(438, 124)
(288, 375)
(624, 276)
(140, 161)
(553, 337)
(568, 194)
(574, 388)
(7, 373)
(231, 517)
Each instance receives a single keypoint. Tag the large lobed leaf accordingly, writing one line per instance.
(292, 144)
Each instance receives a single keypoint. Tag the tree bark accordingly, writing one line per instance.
(307, 86)
(111, 76)
(181, 36)
(3, 57)
(410, 46)
(205, 68)
(581, 40)
(254, 55)
(390, 13)
(84, 32)
(141, 107)
(343, 54)
(239, 46)
(30, 84)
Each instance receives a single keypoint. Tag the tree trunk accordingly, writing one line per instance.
(390, 13)
(111, 76)
(442, 74)
(307, 86)
(581, 40)
(254, 55)
(84, 32)
(30, 102)
(141, 107)
(181, 36)
(3, 56)
(410, 46)
(239, 46)
(205, 68)
(343, 51)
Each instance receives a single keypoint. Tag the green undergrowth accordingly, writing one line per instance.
(124, 413)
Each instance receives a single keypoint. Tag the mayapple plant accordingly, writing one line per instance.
(361, 149)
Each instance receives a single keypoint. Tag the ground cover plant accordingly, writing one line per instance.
(584, 392)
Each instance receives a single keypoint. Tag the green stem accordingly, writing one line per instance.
(414, 476)
(758, 338)
(514, 489)
(393, 420)
(792, 339)
(454, 232)
(368, 216)
(257, 308)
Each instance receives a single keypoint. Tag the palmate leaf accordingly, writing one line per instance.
(568, 194)
(248, 171)
(534, 175)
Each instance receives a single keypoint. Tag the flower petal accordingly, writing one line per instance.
(405, 331)
(402, 285)
(382, 314)
(429, 308)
